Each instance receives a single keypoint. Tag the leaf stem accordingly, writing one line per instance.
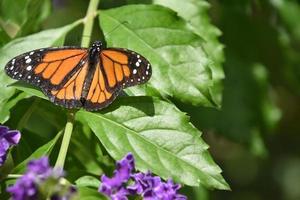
(13, 176)
(66, 141)
(88, 22)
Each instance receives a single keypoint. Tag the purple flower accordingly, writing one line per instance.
(168, 191)
(144, 184)
(113, 187)
(153, 188)
(24, 188)
(38, 173)
(8, 138)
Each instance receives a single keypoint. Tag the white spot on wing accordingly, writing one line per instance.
(147, 72)
(26, 57)
(134, 71)
(29, 67)
(28, 60)
(31, 53)
(13, 61)
(137, 64)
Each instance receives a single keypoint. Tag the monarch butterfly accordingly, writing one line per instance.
(75, 77)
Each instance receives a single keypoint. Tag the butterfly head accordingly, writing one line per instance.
(97, 45)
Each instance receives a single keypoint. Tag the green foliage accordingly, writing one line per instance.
(18, 17)
(44, 150)
(161, 138)
(200, 23)
(86, 193)
(181, 67)
(51, 37)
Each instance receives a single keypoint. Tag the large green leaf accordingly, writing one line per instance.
(161, 138)
(7, 105)
(45, 38)
(195, 13)
(21, 17)
(181, 68)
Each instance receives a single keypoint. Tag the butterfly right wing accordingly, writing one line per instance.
(98, 95)
(59, 72)
(46, 68)
(116, 70)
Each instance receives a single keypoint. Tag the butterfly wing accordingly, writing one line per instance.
(64, 74)
(70, 94)
(52, 69)
(116, 69)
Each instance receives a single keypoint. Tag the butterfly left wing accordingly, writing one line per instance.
(116, 70)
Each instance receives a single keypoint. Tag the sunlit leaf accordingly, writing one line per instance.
(161, 138)
(195, 12)
(181, 67)
(86, 193)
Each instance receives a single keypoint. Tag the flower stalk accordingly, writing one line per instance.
(65, 142)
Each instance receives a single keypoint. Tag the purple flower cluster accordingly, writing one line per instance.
(38, 172)
(125, 182)
(8, 138)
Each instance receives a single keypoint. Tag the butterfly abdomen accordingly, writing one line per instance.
(94, 52)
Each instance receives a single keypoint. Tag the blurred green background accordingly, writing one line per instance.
(255, 136)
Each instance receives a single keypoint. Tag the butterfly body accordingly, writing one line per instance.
(76, 77)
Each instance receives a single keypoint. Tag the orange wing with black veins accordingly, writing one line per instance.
(117, 69)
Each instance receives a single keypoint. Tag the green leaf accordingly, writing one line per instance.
(161, 138)
(42, 39)
(88, 181)
(4, 38)
(199, 22)
(181, 68)
(86, 193)
(4, 114)
(21, 17)
(42, 151)
(29, 89)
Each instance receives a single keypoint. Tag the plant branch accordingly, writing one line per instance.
(88, 22)
(65, 142)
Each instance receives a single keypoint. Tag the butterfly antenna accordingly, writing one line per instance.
(122, 23)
